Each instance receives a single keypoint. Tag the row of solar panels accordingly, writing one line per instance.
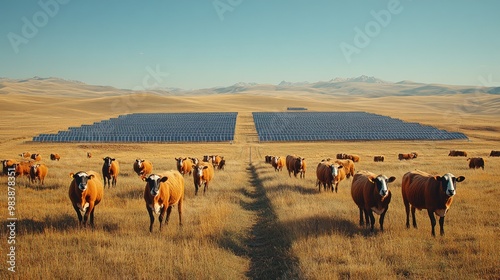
(311, 126)
(155, 127)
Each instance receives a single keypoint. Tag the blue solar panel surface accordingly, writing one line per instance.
(152, 127)
(342, 126)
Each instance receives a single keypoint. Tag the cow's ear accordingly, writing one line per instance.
(104, 159)
(176, 159)
(391, 179)
(438, 178)
(340, 166)
(205, 167)
(72, 175)
(371, 180)
(164, 179)
(460, 178)
(112, 159)
(91, 176)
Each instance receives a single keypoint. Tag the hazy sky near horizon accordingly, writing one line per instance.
(207, 43)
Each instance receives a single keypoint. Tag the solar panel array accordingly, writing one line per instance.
(342, 126)
(155, 127)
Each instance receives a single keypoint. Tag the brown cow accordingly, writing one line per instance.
(370, 192)
(162, 191)
(216, 161)
(23, 168)
(454, 153)
(25, 155)
(184, 166)
(8, 165)
(348, 167)
(38, 171)
(296, 165)
(203, 174)
(110, 170)
(406, 156)
(476, 162)
(222, 164)
(434, 193)
(36, 157)
(329, 174)
(278, 163)
(143, 167)
(55, 157)
(85, 192)
(495, 153)
(267, 158)
(354, 158)
(378, 158)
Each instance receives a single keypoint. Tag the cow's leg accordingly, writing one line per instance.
(151, 218)
(413, 209)
(169, 210)
(441, 225)
(433, 221)
(361, 220)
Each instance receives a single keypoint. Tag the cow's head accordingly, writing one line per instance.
(108, 161)
(198, 170)
(153, 182)
(299, 164)
(381, 182)
(34, 168)
(194, 160)
(449, 183)
(334, 169)
(206, 158)
(81, 179)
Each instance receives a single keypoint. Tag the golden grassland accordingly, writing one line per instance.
(253, 223)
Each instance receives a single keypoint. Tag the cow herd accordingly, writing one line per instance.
(161, 192)
(370, 192)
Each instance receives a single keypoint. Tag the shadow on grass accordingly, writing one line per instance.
(60, 223)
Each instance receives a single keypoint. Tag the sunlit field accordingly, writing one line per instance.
(253, 222)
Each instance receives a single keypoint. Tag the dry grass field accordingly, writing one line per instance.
(253, 223)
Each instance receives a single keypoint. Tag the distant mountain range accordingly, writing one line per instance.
(358, 86)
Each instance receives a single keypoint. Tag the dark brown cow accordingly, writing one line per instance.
(296, 165)
(495, 154)
(454, 153)
(329, 174)
(370, 192)
(378, 158)
(110, 170)
(162, 191)
(406, 156)
(434, 193)
(476, 163)
(55, 157)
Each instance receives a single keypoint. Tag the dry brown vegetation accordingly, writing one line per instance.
(253, 222)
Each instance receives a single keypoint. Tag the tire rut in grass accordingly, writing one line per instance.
(268, 245)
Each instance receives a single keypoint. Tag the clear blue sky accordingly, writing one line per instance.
(206, 43)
